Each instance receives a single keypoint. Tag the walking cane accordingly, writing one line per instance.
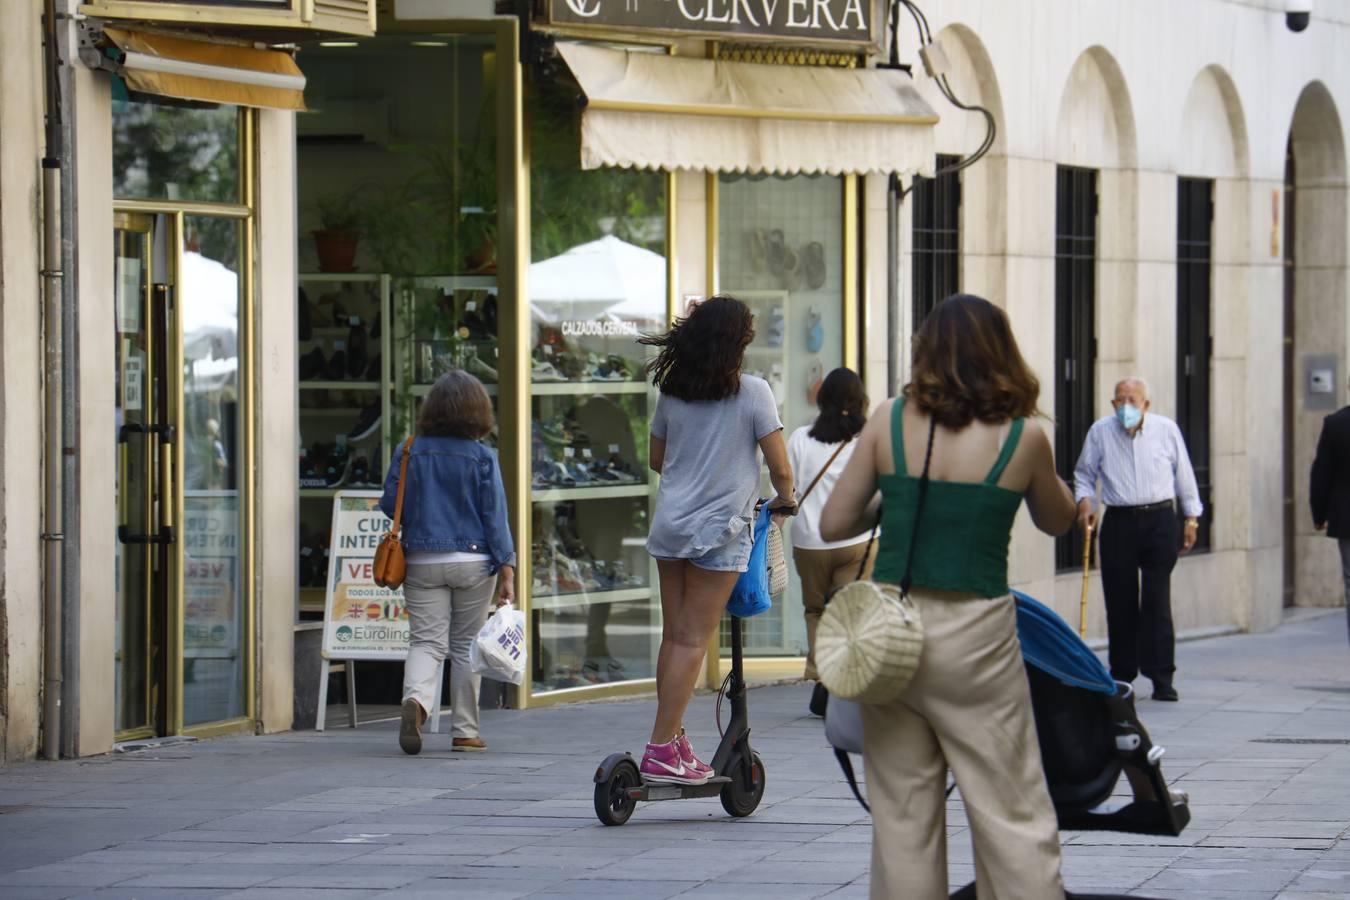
(1087, 575)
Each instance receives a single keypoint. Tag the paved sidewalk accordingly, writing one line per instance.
(1260, 739)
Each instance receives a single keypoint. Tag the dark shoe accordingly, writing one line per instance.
(336, 369)
(373, 370)
(312, 365)
(1165, 692)
(305, 328)
(366, 425)
(468, 745)
(820, 697)
(410, 727)
(357, 357)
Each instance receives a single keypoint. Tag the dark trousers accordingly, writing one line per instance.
(1138, 553)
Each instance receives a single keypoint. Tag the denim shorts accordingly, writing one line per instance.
(733, 556)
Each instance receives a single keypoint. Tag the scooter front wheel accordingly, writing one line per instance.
(741, 796)
(614, 804)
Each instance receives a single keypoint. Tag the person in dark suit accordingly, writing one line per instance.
(1330, 489)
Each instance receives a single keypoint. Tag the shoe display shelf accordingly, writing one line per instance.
(343, 406)
(443, 322)
(592, 598)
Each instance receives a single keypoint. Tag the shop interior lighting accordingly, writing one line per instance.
(335, 44)
(430, 43)
(148, 63)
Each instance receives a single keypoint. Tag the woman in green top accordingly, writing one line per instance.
(968, 708)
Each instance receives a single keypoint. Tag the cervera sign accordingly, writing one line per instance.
(806, 21)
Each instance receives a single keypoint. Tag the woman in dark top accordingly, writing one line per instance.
(969, 706)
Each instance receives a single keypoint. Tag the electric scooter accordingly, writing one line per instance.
(738, 772)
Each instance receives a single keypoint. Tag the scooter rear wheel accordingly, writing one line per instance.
(740, 799)
(613, 805)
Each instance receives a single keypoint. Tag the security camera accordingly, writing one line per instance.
(1297, 14)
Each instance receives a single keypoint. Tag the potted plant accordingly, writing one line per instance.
(336, 237)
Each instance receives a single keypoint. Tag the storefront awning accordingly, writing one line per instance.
(651, 111)
(213, 73)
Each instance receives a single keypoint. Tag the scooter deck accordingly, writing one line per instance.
(655, 790)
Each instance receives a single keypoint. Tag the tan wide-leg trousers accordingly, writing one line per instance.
(967, 709)
(821, 571)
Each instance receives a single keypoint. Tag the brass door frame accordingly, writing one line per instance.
(144, 225)
(174, 212)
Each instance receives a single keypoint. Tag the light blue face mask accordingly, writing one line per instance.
(1129, 415)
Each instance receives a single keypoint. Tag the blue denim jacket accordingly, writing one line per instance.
(455, 499)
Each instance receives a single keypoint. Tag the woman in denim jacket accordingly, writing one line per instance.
(458, 545)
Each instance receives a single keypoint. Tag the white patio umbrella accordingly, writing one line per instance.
(607, 277)
(208, 298)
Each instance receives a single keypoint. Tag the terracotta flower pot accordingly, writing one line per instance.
(336, 249)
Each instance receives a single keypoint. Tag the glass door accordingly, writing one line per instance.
(182, 653)
(143, 465)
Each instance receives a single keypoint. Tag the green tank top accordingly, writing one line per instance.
(963, 530)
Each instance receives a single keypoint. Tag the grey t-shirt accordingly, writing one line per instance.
(710, 476)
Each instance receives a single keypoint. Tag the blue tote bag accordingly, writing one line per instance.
(750, 596)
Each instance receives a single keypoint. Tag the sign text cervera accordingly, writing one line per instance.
(848, 21)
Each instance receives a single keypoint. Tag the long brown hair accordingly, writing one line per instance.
(967, 366)
(700, 356)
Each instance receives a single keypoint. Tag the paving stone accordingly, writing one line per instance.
(344, 813)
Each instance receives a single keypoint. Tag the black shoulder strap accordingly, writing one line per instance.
(846, 764)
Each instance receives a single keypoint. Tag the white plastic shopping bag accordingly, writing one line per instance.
(499, 650)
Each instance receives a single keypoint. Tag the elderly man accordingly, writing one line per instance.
(1141, 462)
(1330, 487)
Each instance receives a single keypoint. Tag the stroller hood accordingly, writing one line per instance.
(1049, 644)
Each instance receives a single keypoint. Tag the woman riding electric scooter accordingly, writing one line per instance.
(710, 424)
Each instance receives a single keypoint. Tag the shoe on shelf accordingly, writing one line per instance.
(663, 764)
(357, 346)
(481, 370)
(360, 475)
(367, 424)
(373, 370)
(544, 371)
(304, 327)
(339, 465)
(467, 745)
(410, 727)
(312, 365)
(336, 370)
(691, 761)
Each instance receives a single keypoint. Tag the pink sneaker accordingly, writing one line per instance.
(692, 762)
(663, 763)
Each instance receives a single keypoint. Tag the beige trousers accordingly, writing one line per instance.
(821, 571)
(967, 709)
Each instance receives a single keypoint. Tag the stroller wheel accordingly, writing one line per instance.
(741, 796)
(613, 803)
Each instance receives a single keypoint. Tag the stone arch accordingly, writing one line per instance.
(984, 186)
(1096, 127)
(1316, 291)
(1212, 141)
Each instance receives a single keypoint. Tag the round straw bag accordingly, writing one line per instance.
(868, 642)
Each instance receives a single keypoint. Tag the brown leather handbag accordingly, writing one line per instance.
(390, 564)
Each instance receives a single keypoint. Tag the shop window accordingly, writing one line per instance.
(168, 151)
(597, 280)
(936, 238)
(781, 249)
(1075, 328)
(397, 206)
(1195, 226)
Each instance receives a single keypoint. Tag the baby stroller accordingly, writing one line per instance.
(1090, 735)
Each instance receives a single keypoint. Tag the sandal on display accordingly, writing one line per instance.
(814, 261)
(792, 271)
(776, 251)
(813, 381)
(815, 333)
(759, 250)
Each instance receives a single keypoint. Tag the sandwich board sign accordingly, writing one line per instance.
(361, 620)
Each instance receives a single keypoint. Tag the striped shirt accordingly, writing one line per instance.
(1150, 467)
